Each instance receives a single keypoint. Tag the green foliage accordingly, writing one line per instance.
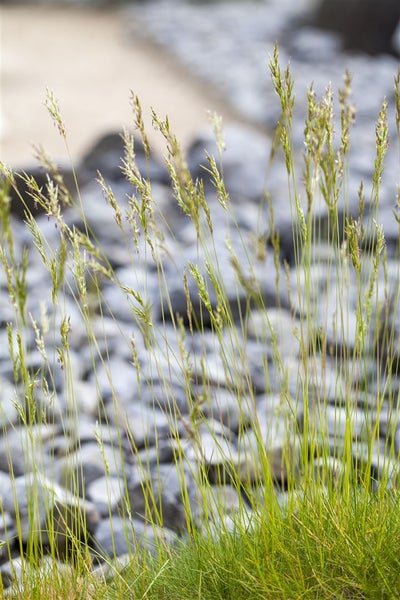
(334, 532)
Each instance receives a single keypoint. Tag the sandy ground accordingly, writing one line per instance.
(90, 63)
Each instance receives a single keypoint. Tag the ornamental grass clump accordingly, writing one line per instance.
(316, 515)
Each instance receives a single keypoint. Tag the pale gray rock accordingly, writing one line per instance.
(376, 459)
(21, 450)
(164, 452)
(89, 462)
(37, 502)
(166, 395)
(222, 405)
(106, 493)
(82, 398)
(159, 495)
(10, 404)
(80, 429)
(118, 536)
(114, 537)
(343, 420)
(277, 329)
(244, 179)
(312, 45)
(11, 571)
(143, 425)
(213, 502)
(116, 381)
(329, 470)
(213, 449)
(276, 430)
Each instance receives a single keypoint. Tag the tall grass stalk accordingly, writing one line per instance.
(331, 531)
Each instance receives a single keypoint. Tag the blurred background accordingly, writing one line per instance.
(87, 57)
(181, 57)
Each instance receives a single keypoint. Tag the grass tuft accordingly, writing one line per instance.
(315, 515)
